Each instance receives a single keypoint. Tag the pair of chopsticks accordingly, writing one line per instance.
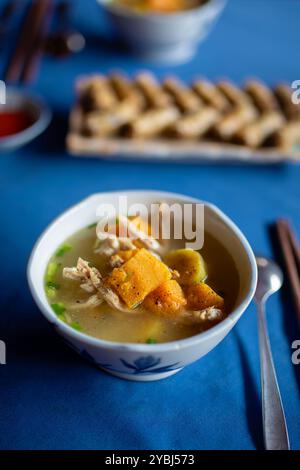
(25, 59)
(291, 253)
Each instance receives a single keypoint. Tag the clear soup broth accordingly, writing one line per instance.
(140, 325)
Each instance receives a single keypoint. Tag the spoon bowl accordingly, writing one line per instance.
(270, 278)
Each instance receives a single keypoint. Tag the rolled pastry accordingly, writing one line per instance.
(97, 94)
(153, 91)
(255, 133)
(194, 125)
(232, 122)
(185, 98)
(211, 95)
(288, 136)
(125, 88)
(99, 123)
(261, 95)
(154, 121)
(235, 95)
(284, 95)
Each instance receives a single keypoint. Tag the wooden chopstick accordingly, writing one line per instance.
(35, 54)
(291, 254)
(29, 32)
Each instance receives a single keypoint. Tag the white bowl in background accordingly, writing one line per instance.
(164, 37)
(144, 362)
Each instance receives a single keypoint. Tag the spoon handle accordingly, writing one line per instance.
(274, 423)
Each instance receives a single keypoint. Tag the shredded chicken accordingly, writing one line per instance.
(93, 301)
(149, 242)
(211, 314)
(92, 282)
(111, 244)
(116, 261)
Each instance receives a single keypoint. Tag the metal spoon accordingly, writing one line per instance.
(276, 437)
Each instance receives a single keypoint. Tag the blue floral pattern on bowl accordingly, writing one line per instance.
(144, 365)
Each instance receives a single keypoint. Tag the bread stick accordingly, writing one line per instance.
(194, 125)
(288, 136)
(154, 93)
(125, 88)
(232, 122)
(284, 95)
(234, 95)
(261, 95)
(99, 123)
(211, 95)
(185, 98)
(97, 94)
(154, 121)
(254, 134)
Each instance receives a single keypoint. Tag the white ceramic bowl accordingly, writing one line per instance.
(142, 361)
(168, 38)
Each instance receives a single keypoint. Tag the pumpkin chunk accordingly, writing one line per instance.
(167, 299)
(201, 297)
(139, 276)
(189, 264)
(126, 254)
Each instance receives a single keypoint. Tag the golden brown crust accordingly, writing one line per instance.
(255, 133)
(97, 94)
(288, 136)
(261, 95)
(185, 98)
(234, 121)
(284, 95)
(153, 122)
(211, 95)
(116, 106)
(194, 125)
(99, 123)
(152, 90)
(125, 89)
(234, 95)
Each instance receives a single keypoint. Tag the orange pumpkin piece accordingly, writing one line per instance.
(139, 276)
(126, 254)
(167, 299)
(166, 5)
(201, 296)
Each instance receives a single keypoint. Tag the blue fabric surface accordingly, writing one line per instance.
(52, 399)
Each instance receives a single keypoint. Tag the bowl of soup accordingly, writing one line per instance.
(139, 303)
(167, 31)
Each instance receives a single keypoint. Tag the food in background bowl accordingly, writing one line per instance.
(164, 34)
(159, 6)
(140, 291)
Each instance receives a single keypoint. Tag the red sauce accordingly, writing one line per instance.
(12, 122)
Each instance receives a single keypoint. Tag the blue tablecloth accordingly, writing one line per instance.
(50, 398)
